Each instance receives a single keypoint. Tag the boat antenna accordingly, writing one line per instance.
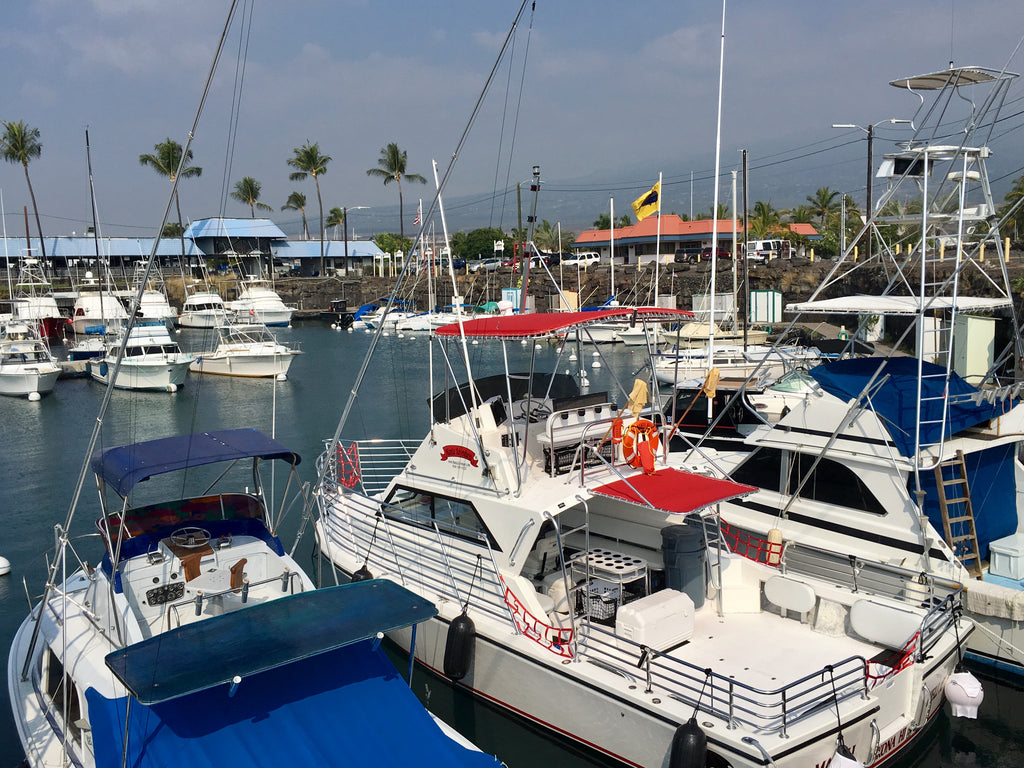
(108, 394)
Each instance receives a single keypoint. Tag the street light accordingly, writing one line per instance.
(870, 131)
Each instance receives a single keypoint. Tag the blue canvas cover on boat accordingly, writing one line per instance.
(895, 401)
(991, 477)
(125, 466)
(349, 707)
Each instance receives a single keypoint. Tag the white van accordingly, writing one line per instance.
(765, 250)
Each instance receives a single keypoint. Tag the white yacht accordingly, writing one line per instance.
(585, 581)
(26, 366)
(34, 304)
(248, 350)
(152, 361)
(97, 310)
(203, 309)
(258, 302)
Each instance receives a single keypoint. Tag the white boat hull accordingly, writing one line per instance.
(166, 374)
(27, 382)
(246, 365)
(202, 319)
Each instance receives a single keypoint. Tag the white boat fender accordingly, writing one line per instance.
(459, 647)
(282, 377)
(172, 387)
(34, 397)
(965, 694)
(5, 566)
(689, 746)
(843, 757)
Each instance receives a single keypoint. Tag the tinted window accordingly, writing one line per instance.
(449, 515)
(832, 483)
(762, 469)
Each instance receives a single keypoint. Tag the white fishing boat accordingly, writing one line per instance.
(26, 366)
(152, 360)
(258, 302)
(97, 310)
(766, 363)
(203, 309)
(196, 639)
(34, 304)
(901, 459)
(153, 304)
(248, 350)
(584, 580)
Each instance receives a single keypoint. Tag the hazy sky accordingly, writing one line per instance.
(610, 94)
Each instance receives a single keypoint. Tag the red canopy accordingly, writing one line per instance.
(538, 324)
(673, 490)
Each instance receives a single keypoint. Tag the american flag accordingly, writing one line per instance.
(419, 213)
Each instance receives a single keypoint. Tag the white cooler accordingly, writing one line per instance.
(659, 621)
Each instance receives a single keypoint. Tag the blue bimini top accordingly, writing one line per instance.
(124, 467)
(895, 401)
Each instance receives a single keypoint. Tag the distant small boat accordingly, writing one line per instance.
(248, 350)
(204, 309)
(258, 302)
(26, 366)
(152, 361)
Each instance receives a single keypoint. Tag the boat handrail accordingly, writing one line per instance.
(286, 580)
(379, 462)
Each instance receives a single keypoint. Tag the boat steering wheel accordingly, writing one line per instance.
(191, 537)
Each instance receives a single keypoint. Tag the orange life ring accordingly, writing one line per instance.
(638, 439)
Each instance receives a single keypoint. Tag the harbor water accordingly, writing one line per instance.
(43, 452)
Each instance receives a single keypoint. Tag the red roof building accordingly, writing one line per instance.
(638, 241)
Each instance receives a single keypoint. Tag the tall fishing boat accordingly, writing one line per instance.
(27, 368)
(585, 581)
(914, 460)
(34, 303)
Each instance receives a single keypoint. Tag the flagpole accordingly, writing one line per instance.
(657, 245)
(714, 205)
(611, 241)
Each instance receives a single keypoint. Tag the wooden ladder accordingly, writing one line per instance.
(965, 543)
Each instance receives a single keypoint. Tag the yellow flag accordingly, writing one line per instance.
(648, 203)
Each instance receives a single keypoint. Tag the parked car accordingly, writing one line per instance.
(551, 259)
(583, 259)
(704, 254)
(687, 255)
(485, 265)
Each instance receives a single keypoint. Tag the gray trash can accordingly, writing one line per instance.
(682, 547)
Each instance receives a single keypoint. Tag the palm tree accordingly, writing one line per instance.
(765, 220)
(308, 161)
(391, 167)
(297, 202)
(20, 144)
(247, 191)
(165, 162)
(822, 203)
(335, 218)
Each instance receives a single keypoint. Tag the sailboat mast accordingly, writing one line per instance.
(611, 242)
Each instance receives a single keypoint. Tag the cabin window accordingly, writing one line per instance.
(449, 515)
(762, 469)
(832, 483)
(62, 693)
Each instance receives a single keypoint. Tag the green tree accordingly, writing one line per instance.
(173, 229)
(478, 243)
(20, 144)
(604, 221)
(307, 161)
(1012, 198)
(765, 221)
(336, 219)
(546, 237)
(297, 202)
(247, 192)
(389, 242)
(391, 167)
(822, 203)
(165, 160)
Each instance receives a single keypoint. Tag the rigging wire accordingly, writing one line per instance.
(501, 138)
(519, 102)
(244, 35)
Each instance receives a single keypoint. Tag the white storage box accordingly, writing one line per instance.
(1006, 557)
(659, 621)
